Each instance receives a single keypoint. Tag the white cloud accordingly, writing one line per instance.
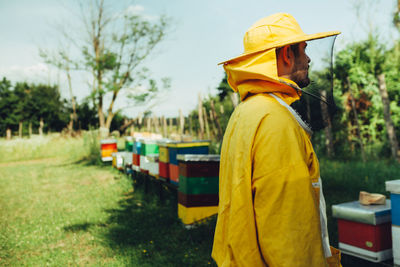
(138, 10)
(134, 9)
(38, 72)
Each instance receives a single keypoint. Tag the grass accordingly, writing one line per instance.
(58, 209)
(59, 206)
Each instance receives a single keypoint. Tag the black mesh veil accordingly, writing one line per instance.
(316, 105)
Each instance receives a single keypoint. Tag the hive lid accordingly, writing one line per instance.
(164, 142)
(149, 141)
(108, 141)
(198, 157)
(354, 211)
(189, 143)
(393, 186)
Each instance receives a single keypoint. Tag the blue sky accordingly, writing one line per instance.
(204, 33)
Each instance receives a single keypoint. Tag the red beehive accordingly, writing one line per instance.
(364, 231)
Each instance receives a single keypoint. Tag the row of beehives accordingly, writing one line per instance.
(188, 166)
(371, 232)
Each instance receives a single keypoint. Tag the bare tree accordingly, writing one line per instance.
(117, 44)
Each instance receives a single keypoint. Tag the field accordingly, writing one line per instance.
(59, 208)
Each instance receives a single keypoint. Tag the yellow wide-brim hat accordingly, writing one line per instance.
(275, 31)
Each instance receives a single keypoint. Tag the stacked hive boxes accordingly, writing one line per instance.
(364, 231)
(394, 188)
(128, 157)
(198, 187)
(136, 155)
(180, 148)
(107, 147)
(118, 160)
(163, 163)
(148, 156)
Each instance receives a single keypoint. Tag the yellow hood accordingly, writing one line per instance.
(259, 74)
(255, 71)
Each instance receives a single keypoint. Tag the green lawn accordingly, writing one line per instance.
(58, 208)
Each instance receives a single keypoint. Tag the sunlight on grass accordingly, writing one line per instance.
(58, 209)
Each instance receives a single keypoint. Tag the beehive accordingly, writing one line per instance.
(182, 148)
(107, 147)
(364, 231)
(198, 187)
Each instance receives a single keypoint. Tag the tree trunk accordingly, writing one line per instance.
(73, 102)
(206, 123)
(71, 123)
(8, 134)
(353, 106)
(131, 130)
(41, 124)
(30, 129)
(164, 127)
(20, 129)
(388, 119)
(328, 129)
(110, 114)
(201, 121)
(100, 112)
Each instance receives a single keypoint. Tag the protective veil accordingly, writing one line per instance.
(270, 195)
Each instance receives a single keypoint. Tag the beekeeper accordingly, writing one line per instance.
(271, 207)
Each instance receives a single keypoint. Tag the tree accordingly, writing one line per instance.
(9, 116)
(63, 62)
(117, 46)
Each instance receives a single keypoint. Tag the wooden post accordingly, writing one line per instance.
(170, 130)
(206, 123)
(201, 120)
(155, 122)
(30, 129)
(181, 123)
(20, 129)
(41, 124)
(353, 106)
(388, 119)
(8, 134)
(148, 122)
(216, 119)
(164, 127)
(212, 126)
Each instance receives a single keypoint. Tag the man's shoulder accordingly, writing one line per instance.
(260, 103)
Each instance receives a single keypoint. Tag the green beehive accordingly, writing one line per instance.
(149, 147)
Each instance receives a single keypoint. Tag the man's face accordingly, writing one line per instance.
(300, 70)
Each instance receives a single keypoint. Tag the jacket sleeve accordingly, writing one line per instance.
(285, 205)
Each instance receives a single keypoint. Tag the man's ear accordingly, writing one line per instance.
(287, 55)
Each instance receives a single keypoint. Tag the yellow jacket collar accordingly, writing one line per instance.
(282, 89)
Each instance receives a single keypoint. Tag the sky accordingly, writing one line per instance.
(203, 33)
